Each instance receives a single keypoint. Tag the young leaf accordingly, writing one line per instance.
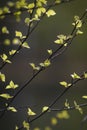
(63, 115)
(50, 13)
(12, 85)
(31, 5)
(27, 21)
(57, 1)
(26, 125)
(45, 108)
(5, 58)
(64, 83)
(16, 128)
(12, 109)
(75, 76)
(25, 44)
(84, 97)
(16, 41)
(46, 63)
(6, 96)
(85, 75)
(53, 121)
(7, 42)
(79, 32)
(18, 34)
(5, 30)
(30, 112)
(2, 77)
(12, 52)
(67, 104)
(78, 107)
(34, 67)
(49, 52)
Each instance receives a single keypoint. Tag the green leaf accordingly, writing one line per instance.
(2, 77)
(12, 85)
(84, 96)
(6, 96)
(67, 104)
(16, 41)
(18, 34)
(5, 30)
(26, 125)
(34, 66)
(50, 52)
(27, 21)
(31, 6)
(30, 112)
(65, 84)
(40, 11)
(45, 108)
(57, 1)
(50, 13)
(78, 107)
(7, 42)
(25, 44)
(63, 115)
(75, 76)
(12, 52)
(4, 57)
(79, 32)
(54, 121)
(85, 75)
(59, 41)
(16, 128)
(47, 63)
(12, 109)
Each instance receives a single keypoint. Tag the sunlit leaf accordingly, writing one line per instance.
(40, 11)
(85, 75)
(65, 84)
(12, 109)
(84, 97)
(47, 63)
(25, 44)
(26, 125)
(7, 42)
(54, 121)
(78, 107)
(34, 66)
(49, 52)
(75, 76)
(50, 13)
(45, 108)
(5, 30)
(2, 77)
(12, 85)
(16, 41)
(12, 52)
(79, 32)
(6, 96)
(57, 1)
(30, 112)
(36, 128)
(5, 58)
(27, 21)
(67, 104)
(63, 115)
(16, 128)
(31, 5)
(18, 34)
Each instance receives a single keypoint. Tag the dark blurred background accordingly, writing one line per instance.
(45, 87)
